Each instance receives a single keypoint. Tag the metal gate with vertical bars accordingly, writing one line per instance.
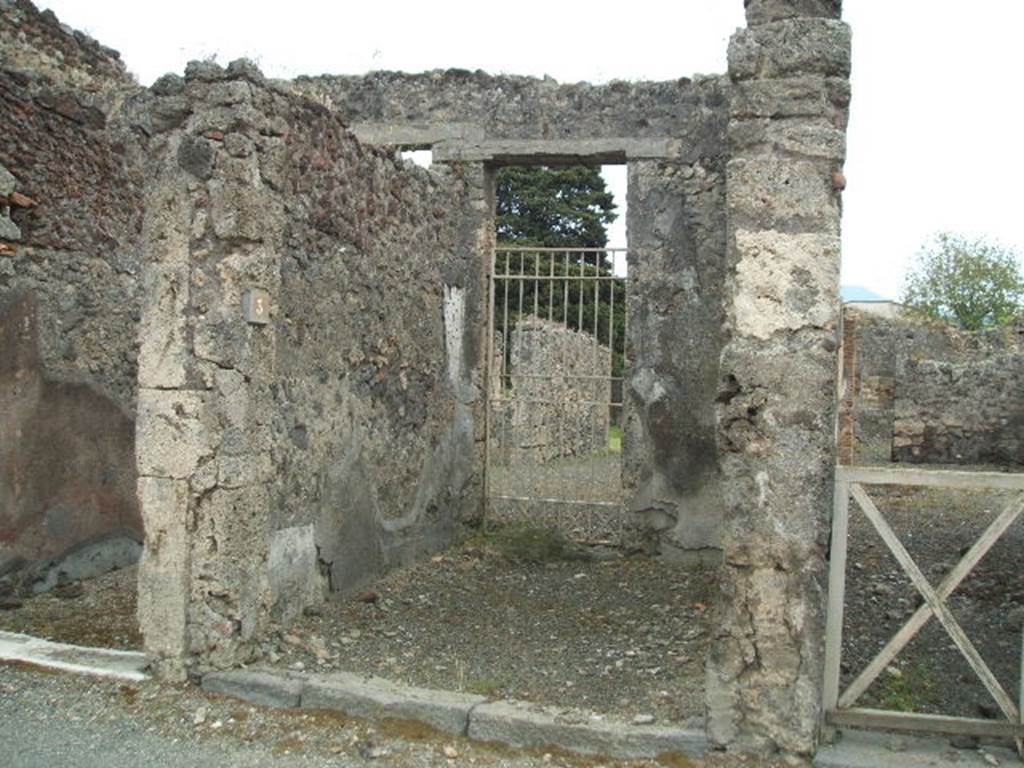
(555, 363)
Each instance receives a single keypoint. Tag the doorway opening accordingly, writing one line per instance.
(557, 355)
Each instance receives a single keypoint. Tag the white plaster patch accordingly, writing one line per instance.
(454, 328)
(648, 386)
(295, 580)
(763, 484)
(785, 282)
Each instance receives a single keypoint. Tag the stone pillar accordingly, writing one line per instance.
(206, 367)
(777, 389)
(677, 253)
(469, 278)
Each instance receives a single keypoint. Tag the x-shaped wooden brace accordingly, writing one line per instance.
(934, 603)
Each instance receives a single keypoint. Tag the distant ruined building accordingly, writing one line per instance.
(927, 393)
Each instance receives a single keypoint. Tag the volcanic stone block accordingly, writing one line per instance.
(794, 47)
(164, 572)
(374, 698)
(762, 11)
(163, 351)
(528, 725)
(263, 688)
(785, 282)
(779, 194)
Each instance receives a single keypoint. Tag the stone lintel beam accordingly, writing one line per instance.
(558, 151)
(415, 135)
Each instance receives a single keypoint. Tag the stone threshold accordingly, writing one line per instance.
(518, 724)
(99, 662)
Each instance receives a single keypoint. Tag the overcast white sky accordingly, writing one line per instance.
(936, 124)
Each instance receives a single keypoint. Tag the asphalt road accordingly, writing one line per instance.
(48, 723)
(50, 720)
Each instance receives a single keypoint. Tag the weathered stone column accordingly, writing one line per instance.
(206, 368)
(777, 390)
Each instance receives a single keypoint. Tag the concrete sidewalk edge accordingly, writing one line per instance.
(100, 662)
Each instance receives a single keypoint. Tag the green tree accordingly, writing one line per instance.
(559, 207)
(973, 283)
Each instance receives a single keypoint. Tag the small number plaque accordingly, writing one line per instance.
(256, 306)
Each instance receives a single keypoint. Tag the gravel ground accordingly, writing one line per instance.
(55, 720)
(624, 636)
(98, 612)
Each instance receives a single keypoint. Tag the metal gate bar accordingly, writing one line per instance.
(555, 357)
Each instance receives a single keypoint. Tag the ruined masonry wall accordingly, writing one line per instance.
(925, 392)
(35, 41)
(961, 413)
(70, 221)
(565, 415)
(320, 443)
(778, 372)
(308, 315)
(373, 403)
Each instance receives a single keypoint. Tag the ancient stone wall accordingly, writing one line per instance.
(776, 402)
(672, 137)
(375, 395)
(876, 352)
(961, 413)
(305, 367)
(922, 391)
(35, 41)
(70, 218)
(559, 397)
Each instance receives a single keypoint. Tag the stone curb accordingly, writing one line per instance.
(515, 723)
(101, 662)
(527, 725)
(373, 698)
(264, 688)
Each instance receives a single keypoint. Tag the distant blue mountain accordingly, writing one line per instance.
(860, 293)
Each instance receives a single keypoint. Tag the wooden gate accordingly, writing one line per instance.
(839, 705)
